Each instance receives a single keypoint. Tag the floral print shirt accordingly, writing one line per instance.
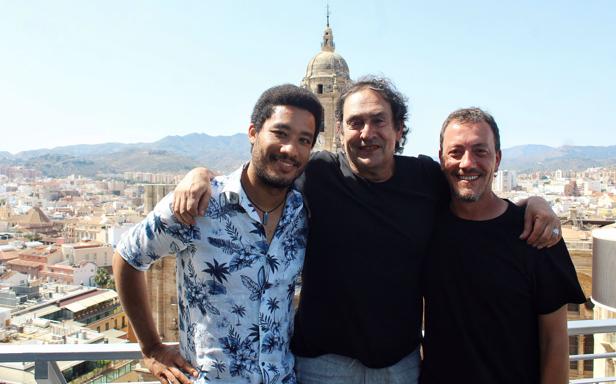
(235, 290)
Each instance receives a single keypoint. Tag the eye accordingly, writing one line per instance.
(305, 141)
(355, 124)
(378, 121)
(279, 133)
(456, 153)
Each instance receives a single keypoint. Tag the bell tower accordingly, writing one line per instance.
(326, 76)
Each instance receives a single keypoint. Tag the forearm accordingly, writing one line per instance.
(132, 290)
(554, 349)
(555, 363)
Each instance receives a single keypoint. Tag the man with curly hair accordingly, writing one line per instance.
(237, 265)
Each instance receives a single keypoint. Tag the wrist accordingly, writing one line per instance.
(147, 349)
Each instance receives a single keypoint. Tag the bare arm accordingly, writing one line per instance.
(540, 223)
(192, 195)
(554, 347)
(164, 361)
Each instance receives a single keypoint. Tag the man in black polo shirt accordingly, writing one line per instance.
(371, 217)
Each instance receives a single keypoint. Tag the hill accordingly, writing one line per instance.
(170, 154)
(225, 153)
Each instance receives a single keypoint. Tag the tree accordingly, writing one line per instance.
(103, 279)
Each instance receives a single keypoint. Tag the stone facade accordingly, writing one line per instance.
(326, 76)
(162, 286)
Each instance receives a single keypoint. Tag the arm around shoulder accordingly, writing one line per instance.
(192, 195)
(541, 225)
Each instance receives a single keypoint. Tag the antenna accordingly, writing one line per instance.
(328, 14)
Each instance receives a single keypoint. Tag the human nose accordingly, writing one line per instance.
(468, 160)
(367, 132)
(290, 149)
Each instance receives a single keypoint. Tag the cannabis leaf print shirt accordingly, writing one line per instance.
(235, 291)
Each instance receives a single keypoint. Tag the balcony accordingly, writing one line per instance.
(47, 371)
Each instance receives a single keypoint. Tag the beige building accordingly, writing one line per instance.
(92, 251)
(153, 193)
(326, 76)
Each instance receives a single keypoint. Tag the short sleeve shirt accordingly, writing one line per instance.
(235, 290)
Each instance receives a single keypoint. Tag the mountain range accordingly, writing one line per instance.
(170, 154)
(225, 153)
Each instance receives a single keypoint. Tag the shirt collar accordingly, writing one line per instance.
(235, 194)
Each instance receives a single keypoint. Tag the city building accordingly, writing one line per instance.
(88, 251)
(327, 74)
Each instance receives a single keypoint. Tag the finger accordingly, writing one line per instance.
(177, 205)
(528, 225)
(545, 238)
(203, 203)
(165, 377)
(538, 229)
(183, 216)
(179, 376)
(192, 203)
(556, 235)
(186, 367)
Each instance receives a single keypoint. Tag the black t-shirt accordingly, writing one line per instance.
(485, 289)
(361, 294)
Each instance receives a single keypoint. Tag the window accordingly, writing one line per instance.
(589, 346)
(319, 88)
(573, 350)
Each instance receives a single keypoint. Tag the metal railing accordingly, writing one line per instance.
(591, 327)
(45, 357)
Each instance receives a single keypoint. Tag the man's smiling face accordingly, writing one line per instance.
(469, 159)
(369, 134)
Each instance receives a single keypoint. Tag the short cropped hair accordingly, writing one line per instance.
(387, 90)
(287, 95)
(472, 115)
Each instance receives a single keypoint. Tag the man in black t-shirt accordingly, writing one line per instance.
(495, 307)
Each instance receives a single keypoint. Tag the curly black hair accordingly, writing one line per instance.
(289, 95)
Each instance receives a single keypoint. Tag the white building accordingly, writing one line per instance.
(504, 181)
(92, 251)
(84, 273)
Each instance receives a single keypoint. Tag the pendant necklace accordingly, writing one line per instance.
(265, 213)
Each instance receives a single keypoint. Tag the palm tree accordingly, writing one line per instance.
(238, 310)
(217, 271)
(272, 305)
(272, 262)
(220, 367)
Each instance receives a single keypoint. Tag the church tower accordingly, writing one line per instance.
(327, 75)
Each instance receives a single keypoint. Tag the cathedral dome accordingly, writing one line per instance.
(327, 62)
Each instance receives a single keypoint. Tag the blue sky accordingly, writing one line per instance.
(89, 72)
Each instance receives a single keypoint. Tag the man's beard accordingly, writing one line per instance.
(273, 181)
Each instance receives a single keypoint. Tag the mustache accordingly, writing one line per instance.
(275, 157)
(471, 171)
